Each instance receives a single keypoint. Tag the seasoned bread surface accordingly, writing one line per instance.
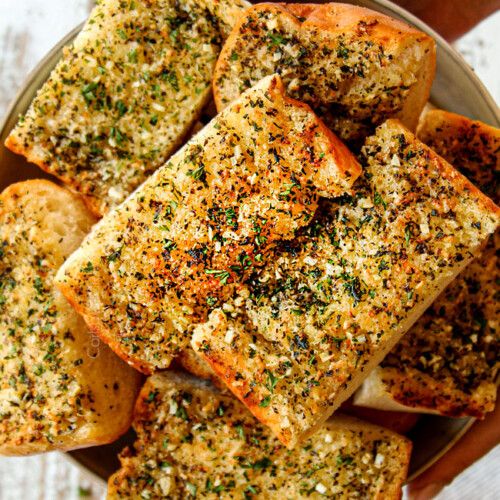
(188, 238)
(61, 388)
(124, 94)
(195, 442)
(339, 296)
(225, 13)
(354, 66)
(470, 146)
(448, 362)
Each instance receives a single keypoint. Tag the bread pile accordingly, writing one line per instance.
(288, 252)
(448, 362)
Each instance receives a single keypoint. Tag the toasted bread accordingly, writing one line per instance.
(61, 388)
(194, 441)
(339, 296)
(471, 146)
(225, 13)
(354, 66)
(184, 242)
(124, 94)
(448, 362)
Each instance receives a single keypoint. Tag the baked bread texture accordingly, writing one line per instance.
(448, 362)
(124, 94)
(339, 296)
(194, 441)
(471, 146)
(186, 240)
(225, 13)
(353, 66)
(61, 388)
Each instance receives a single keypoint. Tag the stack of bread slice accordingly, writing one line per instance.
(118, 103)
(341, 295)
(295, 325)
(448, 362)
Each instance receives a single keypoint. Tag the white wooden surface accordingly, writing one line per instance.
(28, 29)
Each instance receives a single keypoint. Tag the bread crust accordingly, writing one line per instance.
(387, 388)
(14, 143)
(63, 390)
(99, 328)
(318, 22)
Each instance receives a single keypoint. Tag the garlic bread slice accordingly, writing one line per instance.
(125, 94)
(193, 441)
(61, 387)
(353, 66)
(448, 362)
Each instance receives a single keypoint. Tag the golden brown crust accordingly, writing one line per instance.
(98, 328)
(63, 389)
(13, 143)
(336, 16)
(345, 162)
(311, 47)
